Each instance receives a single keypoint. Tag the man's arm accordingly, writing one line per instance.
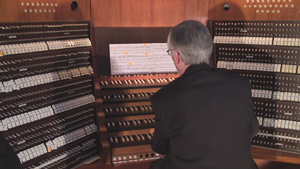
(254, 121)
(160, 141)
(255, 125)
(8, 158)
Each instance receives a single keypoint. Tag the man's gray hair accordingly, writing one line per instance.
(193, 42)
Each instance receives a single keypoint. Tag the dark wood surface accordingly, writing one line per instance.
(99, 165)
(262, 164)
(264, 158)
(275, 155)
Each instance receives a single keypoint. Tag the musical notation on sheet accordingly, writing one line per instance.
(140, 58)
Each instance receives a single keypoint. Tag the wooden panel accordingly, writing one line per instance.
(98, 165)
(146, 13)
(275, 155)
(262, 164)
(254, 10)
(43, 10)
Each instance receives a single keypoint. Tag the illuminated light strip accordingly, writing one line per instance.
(278, 136)
(243, 40)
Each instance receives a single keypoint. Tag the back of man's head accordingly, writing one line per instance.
(192, 40)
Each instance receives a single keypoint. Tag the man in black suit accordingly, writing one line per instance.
(8, 158)
(204, 118)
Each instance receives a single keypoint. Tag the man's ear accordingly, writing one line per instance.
(177, 57)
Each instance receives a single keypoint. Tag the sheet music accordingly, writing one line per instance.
(162, 62)
(140, 58)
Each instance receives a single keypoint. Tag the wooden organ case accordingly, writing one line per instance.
(60, 105)
(126, 118)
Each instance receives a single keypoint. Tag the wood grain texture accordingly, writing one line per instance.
(43, 10)
(254, 10)
(275, 155)
(146, 13)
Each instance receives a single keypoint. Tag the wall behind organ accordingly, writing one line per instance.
(44, 10)
(254, 10)
(146, 13)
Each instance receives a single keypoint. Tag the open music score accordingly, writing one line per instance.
(140, 58)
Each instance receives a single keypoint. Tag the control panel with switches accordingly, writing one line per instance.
(267, 53)
(47, 111)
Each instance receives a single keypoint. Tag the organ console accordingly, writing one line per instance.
(47, 101)
(67, 99)
(266, 52)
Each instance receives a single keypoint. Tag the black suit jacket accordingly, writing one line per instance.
(204, 120)
(8, 158)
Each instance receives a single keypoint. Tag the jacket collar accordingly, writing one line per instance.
(195, 68)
